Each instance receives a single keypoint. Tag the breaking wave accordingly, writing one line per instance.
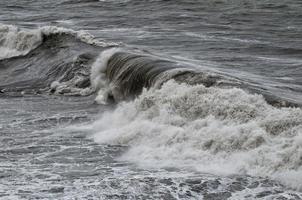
(194, 120)
(213, 130)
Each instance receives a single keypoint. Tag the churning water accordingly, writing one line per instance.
(129, 99)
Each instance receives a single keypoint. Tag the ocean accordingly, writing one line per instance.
(151, 99)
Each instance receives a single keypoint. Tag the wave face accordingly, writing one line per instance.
(130, 73)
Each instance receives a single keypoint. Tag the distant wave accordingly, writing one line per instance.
(50, 59)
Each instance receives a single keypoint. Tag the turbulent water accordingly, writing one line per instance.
(129, 99)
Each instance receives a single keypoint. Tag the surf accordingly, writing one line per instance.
(167, 113)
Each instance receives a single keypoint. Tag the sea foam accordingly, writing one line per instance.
(16, 42)
(212, 130)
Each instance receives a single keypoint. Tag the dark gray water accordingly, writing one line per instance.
(178, 142)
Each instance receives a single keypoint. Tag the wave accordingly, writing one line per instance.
(58, 60)
(196, 120)
(51, 59)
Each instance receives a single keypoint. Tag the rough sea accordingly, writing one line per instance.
(151, 99)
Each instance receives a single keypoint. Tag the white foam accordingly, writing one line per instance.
(213, 130)
(70, 87)
(16, 42)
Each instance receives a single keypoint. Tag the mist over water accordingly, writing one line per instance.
(156, 99)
